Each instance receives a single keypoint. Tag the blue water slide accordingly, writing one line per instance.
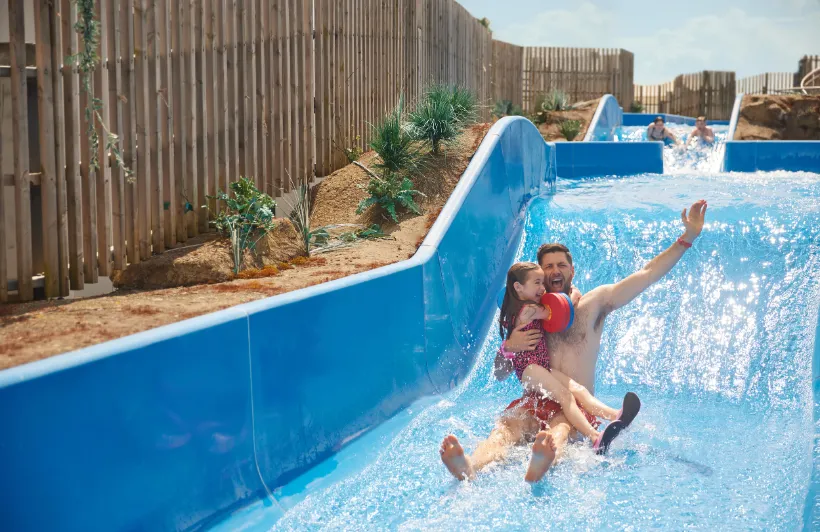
(177, 427)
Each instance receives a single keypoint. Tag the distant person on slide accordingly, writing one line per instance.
(574, 352)
(658, 131)
(705, 134)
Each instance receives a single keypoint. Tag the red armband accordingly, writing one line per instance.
(684, 243)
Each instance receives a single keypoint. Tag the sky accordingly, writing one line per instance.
(668, 37)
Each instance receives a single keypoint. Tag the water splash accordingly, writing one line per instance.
(699, 157)
(720, 351)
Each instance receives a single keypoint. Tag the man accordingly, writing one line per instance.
(701, 132)
(574, 352)
(658, 131)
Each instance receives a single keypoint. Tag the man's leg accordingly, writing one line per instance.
(548, 447)
(510, 431)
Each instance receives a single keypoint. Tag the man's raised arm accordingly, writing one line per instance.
(616, 295)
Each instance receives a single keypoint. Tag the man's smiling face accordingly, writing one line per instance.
(558, 272)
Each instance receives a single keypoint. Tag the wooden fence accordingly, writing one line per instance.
(201, 92)
(707, 93)
(507, 69)
(806, 64)
(583, 73)
(767, 83)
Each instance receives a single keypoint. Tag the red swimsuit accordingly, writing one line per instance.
(539, 355)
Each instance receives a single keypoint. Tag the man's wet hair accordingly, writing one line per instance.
(702, 118)
(552, 247)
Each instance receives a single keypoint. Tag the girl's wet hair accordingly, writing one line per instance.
(512, 305)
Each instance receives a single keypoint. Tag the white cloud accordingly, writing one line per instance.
(732, 40)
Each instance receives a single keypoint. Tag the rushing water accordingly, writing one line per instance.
(699, 157)
(720, 351)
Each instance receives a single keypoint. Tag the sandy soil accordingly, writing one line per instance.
(36, 330)
(583, 111)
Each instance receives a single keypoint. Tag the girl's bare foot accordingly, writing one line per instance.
(543, 455)
(452, 454)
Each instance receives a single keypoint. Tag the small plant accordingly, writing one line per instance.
(464, 104)
(485, 22)
(555, 100)
(506, 108)
(247, 217)
(389, 193)
(434, 119)
(300, 218)
(394, 144)
(353, 153)
(373, 232)
(570, 129)
(636, 107)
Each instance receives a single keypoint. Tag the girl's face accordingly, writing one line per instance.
(533, 287)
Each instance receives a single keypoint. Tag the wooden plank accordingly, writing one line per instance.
(4, 275)
(225, 123)
(291, 118)
(212, 105)
(115, 86)
(203, 163)
(320, 44)
(261, 66)
(55, 49)
(253, 93)
(276, 116)
(191, 118)
(310, 101)
(103, 172)
(156, 104)
(19, 119)
(71, 103)
(132, 206)
(48, 166)
(235, 95)
(169, 195)
(178, 90)
(144, 172)
(246, 169)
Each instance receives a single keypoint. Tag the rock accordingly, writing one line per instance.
(211, 261)
(774, 117)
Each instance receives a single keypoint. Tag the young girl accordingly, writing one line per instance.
(525, 286)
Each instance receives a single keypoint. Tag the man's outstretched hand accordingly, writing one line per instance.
(693, 223)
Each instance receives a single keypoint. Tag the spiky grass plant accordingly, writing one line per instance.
(569, 129)
(394, 143)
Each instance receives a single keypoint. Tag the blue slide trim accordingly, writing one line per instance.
(592, 159)
(607, 118)
(769, 155)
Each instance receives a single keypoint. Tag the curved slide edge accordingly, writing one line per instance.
(176, 427)
(607, 118)
(730, 134)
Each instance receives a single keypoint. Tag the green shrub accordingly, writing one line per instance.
(390, 193)
(434, 119)
(247, 216)
(464, 104)
(506, 108)
(394, 143)
(570, 128)
(636, 107)
(555, 100)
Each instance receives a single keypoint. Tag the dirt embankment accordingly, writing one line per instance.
(773, 117)
(36, 330)
(582, 111)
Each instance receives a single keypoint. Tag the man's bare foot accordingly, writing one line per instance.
(452, 454)
(543, 455)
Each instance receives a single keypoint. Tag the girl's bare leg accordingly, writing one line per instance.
(537, 377)
(590, 403)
